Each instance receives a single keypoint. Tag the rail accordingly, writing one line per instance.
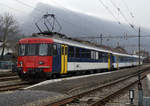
(104, 98)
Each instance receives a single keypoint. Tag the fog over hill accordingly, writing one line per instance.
(77, 24)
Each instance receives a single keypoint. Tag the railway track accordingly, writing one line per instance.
(7, 74)
(8, 78)
(100, 94)
(10, 81)
(13, 86)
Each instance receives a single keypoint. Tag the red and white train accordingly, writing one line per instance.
(48, 57)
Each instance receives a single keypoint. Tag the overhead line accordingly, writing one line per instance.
(77, 26)
(40, 11)
(122, 14)
(129, 36)
(131, 14)
(18, 10)
(14, 9)
(107, 8)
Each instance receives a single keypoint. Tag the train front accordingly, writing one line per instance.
(35, 59)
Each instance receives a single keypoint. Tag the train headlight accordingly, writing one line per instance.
(41, 62)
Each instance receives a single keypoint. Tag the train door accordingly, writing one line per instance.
(56, 67)
(110, 61)
(117, 61)
(64, 58)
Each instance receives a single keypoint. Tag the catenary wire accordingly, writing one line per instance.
(40, 11)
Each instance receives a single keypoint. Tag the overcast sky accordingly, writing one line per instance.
(139, 8)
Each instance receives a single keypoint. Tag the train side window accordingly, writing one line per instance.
(100, 56)
(103, 56)
(71, 51)
(43, 49)
(106, 57)
(84, 53)
(92, 54)
(66, 50)
(87, 53)
(96, 55)
(62, 50)
(77, 52)
(54, 50)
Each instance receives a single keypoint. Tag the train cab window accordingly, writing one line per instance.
(54, 50)
(71, 51)
(43, 49)
(21, 50)
(31, 49)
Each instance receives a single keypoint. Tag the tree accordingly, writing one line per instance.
(8, 26)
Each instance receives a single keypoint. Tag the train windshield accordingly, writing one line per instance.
(33, 50)
(43, 49)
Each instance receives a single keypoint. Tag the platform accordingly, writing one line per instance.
(51, 90)
(27, 97)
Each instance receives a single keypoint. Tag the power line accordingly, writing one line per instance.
(134, 45)
(40, 11)
(117, 36)
(104, 7)
(16, 10)
(66, 21)
(27, 5)
(131, 14)
(122, 14)
(107, 8)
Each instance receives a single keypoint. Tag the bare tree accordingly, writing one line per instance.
(8, 26)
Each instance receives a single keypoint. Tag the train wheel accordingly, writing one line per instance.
(22, 77)
(48, 76)
(92, 72)
(54, 76)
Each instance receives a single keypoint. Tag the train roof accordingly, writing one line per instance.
(56, 37)
(35, 40)
(78, 44)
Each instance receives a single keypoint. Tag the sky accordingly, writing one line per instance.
(105, 9)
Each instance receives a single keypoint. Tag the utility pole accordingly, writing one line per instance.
(101, 38)
(140, 90)
(139, 43)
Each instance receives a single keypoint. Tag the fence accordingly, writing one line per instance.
(6, 64)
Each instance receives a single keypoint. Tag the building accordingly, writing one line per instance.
(7, 49)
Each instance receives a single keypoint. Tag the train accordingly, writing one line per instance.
(49, 57)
